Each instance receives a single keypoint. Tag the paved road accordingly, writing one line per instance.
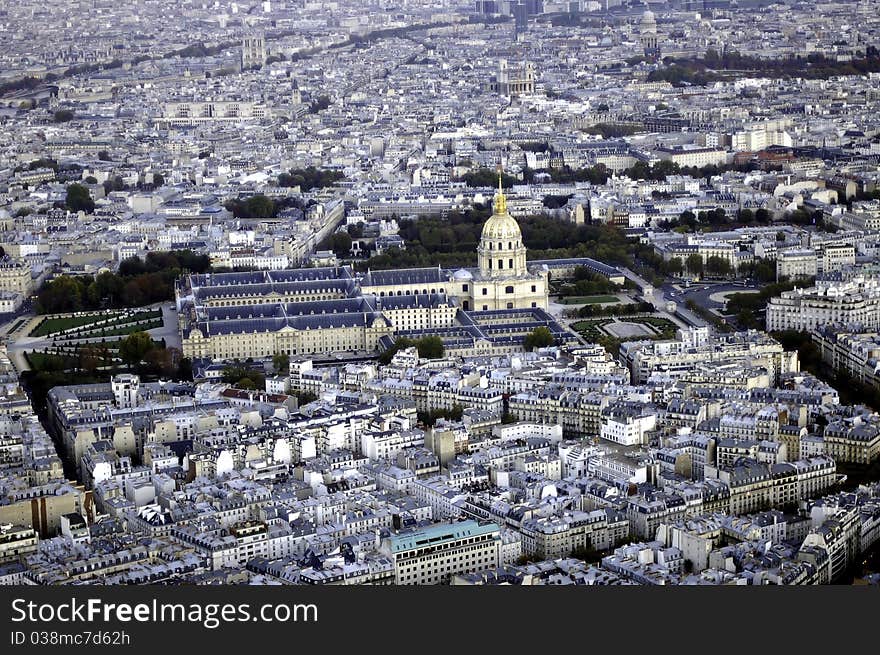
(702, 292)
(662, 295)
(168, 331)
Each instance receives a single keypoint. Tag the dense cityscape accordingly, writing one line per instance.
(456, 292)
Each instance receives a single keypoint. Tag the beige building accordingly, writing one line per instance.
(854, 441)
(558, 536)
(828, 303)
(16, 541)
(15, 276)
(796, 263)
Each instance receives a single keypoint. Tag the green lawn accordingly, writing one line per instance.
(116, 321)
(588, 300)
(40, 361)
(666, 327)
(53, 325)
(589, 328)
(117, 330)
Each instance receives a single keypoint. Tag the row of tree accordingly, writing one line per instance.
(626, 309)
(310, 178)
(96, 362)
(429, 237)
(714, 67)
(138, 282)
(599, 173)
(586, 283)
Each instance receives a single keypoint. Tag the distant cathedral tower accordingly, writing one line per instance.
(648, 35)
(253, 51)
(516, 81)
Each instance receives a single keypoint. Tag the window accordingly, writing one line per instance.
(510, 263)
(534, 288)
(500, 264)
(485, 291)
(464, 287)
(510, 305)
(485, 308)
(508, 289)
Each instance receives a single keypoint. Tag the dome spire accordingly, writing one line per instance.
(500, 200)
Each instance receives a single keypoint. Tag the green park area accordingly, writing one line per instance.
(92, 325)
(54, 325)
(599, 330)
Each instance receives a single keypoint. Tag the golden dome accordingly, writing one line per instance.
(501, 226)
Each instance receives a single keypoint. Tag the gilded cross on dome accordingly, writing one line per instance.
(500, 200)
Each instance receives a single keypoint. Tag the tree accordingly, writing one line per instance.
(158, 180)
(258, 206)
(430, 347)
(91, 179)
(305, 397)
(765, 270)
(319, 104)
(310, 178)
(161, 361)
(694, 264)
(718, 265)
(134, 347)
(114, 183)
(103, 155)
(89, 359)
(340, 243)
(281, 362)
(540, 337)
(688, 218)
(184, 369)
(78, 199)
(62, 116)
(63, 294)
(674, 266)
(399, 344)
